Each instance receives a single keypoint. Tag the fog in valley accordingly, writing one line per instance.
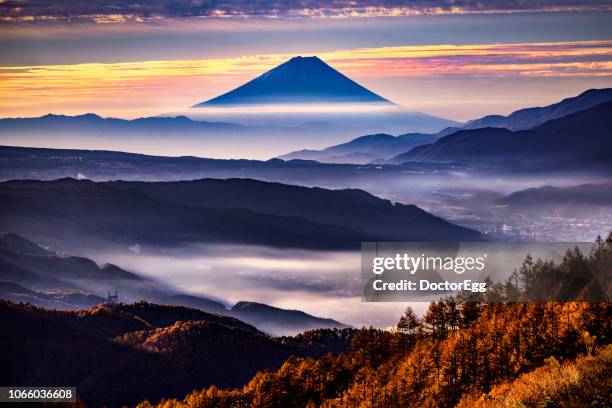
(519, 207)
(326, 283)
(481, 203)
(321, 283)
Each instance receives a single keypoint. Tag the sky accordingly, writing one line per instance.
(458, 59)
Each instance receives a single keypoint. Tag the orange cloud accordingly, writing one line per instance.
(147, 87)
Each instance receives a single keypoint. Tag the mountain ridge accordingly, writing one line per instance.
(74, 283)
(257, 313)
(381, 148)
(528, 118)
(363, 149)
(582, 135)
(343, 208)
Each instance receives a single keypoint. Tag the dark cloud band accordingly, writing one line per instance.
(125, 10)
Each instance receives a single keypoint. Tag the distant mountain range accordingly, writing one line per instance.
(119, 354)
(379, 148)
(531, 117)
(53, 164)
(94, 124)
(181, 135)
(234, 133)
(300, 167)
(29, 273)
(273, 137)
(301, 80)
(581, 136)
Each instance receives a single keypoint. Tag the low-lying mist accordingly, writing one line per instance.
(236, 133)
(261, 144)
(480, 202)
(321, 283)
(360, 117)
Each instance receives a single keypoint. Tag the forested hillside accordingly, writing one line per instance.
(457, 349)
(461, 348)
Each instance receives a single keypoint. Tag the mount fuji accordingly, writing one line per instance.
(301, 104)
(301, 80)
(314, 104)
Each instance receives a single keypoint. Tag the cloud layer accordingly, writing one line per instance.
(108, 11)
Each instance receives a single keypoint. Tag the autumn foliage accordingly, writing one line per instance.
(461, 349)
